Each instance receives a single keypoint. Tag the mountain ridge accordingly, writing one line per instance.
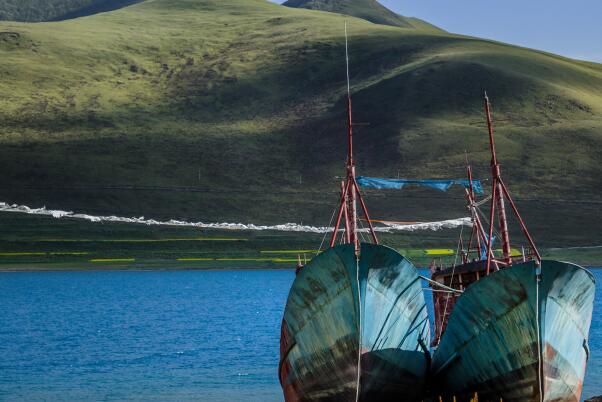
(370, 10)
(56, 10)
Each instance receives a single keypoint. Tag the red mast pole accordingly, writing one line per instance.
(351, 192)
(333, 238)
(522, 224)
(346, 213)
(490, 255)
(366, 214)
(475, 218)
(351, 195)
(500, 192)
(497, 183)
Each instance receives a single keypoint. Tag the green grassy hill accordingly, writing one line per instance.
(232, 110)
(55, 10)
(370, 10)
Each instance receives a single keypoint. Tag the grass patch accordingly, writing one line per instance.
(289, 251)
(22, 249)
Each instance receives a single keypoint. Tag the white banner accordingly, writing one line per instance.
(286, 227)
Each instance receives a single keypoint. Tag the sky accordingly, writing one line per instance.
(571, 28)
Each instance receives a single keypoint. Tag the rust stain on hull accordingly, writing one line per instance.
(491, 344)
(339, 306)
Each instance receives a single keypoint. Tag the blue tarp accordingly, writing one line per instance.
(484, 248)
(398, 184)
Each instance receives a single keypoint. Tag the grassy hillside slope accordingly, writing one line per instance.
(55, 10)
(232, 110)
(370, 10)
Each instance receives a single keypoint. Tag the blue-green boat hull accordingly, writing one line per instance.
(491, 344)
(335, 317)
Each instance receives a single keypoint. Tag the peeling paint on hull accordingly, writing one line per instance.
(321, 337)
(490, 345)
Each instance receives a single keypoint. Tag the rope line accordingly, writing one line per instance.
(539, 352)
(361, 231)
(359, 347)
(458, 250)
(486, 219)
(326, 233)
(347, 61)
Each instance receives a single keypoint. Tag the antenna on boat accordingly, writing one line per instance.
(347, 62)
(499, 193)
(350, 161)
(350, 191)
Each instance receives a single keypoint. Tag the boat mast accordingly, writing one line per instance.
(350, 193)
(497, 184)
(500, 193)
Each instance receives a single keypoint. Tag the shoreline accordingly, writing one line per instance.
(158, 268)
(31, 243)
(134, 268)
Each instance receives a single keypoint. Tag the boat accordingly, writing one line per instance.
(355, 325)
(512, 326)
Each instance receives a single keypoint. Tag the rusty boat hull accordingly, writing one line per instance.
(355, 329)
(519, 338)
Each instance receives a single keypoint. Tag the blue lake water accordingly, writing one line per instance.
(157, 336)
